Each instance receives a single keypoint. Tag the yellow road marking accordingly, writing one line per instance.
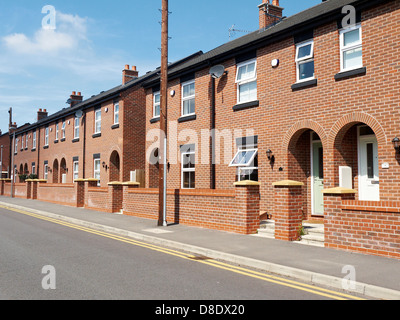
(214, 263)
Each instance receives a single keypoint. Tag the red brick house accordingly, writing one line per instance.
(296, 119)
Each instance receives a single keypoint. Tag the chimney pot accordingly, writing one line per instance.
(127, 67)
(79, 93)
(73, 93)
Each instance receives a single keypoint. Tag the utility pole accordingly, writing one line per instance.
(162, 185)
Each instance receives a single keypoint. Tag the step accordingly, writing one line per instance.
(314, 235)
(267, 229)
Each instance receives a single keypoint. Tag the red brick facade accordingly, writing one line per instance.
(287, 117)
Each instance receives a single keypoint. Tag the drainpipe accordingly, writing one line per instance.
(213, 133)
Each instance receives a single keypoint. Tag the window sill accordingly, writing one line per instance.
(33, 149)
(96, 135)
(304, 84)
(115, 126)
(62, 140)
(45, 147)
(56, 141)
(75, 140)
(352, 73)
(187, 118)
(246, 105)
(155, 119)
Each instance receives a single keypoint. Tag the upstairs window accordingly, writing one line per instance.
(34, 140)
(57, 127)
(156, 104)
(351, 48)
(63, 130)
(246, 79)
(305, 60)
(188, 98)
(116, 112)
(16, 146)
(46, 136)
(97, 121)
(26, 141)
(76, 128)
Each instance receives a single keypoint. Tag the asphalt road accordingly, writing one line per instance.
(90, 265)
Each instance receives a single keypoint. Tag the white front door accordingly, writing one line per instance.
(368, 179)
(317, 178)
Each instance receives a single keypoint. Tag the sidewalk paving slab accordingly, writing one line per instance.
(377, 277)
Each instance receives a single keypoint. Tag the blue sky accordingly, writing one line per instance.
(93, 41)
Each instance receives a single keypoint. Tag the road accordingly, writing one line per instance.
(44, 259)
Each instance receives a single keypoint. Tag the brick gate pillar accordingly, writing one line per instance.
(247, 196)
(115, 196)
(288, 209)
(28, 188)
(80, 192)
(332, 212)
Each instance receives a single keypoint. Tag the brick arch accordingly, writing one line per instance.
(347, 121)
(299, 127)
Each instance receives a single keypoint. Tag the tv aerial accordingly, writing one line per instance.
(232, 31)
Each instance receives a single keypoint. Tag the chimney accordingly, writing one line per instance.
(270, 13)
(75, 98)
(41, 114)
(128, 75)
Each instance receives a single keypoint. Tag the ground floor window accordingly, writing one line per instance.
(188, 169)
(97, 170)
(46, 171)
(246, 161)
(76, 170)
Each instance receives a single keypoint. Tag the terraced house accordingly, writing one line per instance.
(295, 121)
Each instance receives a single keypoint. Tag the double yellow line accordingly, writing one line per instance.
(214, 263)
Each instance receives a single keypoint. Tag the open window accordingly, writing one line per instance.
(246, 162)
(305, 60)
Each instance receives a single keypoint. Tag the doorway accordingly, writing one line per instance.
(317, 176)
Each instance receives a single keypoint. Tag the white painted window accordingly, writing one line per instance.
(63, 130)
(46, 171)
(33, 169)
(246, 79)
(188, 169)
(351, 48)
(22, 143)
(188, 98)
(96, 170)
(76, 128)
(76, 169)
(57, 131)
(34, 140)
(46, 136)
(97, 121)
(16, 146)
(26, 141)
(156, 104)
(305, 60)
(246, 161)
(116, 112)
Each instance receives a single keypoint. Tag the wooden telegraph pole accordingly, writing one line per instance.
(163, 117)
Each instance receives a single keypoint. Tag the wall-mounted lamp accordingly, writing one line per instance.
(396, 144)
(104, 165)
(269, 154)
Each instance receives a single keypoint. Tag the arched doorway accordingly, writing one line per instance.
(55, 171)
(26, 170)
(63, 170)
(114, 174)
(356, 160)
(306, 165)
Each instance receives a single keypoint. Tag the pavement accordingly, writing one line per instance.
(375, 277)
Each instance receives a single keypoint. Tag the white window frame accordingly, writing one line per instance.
(34, 169)
(96, 172)
(240, 82)
(183, 170)
(76, 128)
(22, 143)
(249, 165)
(26, 141)
(75, 168)
(46, 171)
(34, 140)
(155, 104)
(64, 124)
(97, 122)
(57, 127)
(16, 145)
(303, 60)
(191, 97)
(46, 136)
(353, 46)
(116, 112)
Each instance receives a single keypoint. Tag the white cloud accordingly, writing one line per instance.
(70, 30)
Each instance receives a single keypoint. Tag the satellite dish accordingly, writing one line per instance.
(217, 71)
(79, 114)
